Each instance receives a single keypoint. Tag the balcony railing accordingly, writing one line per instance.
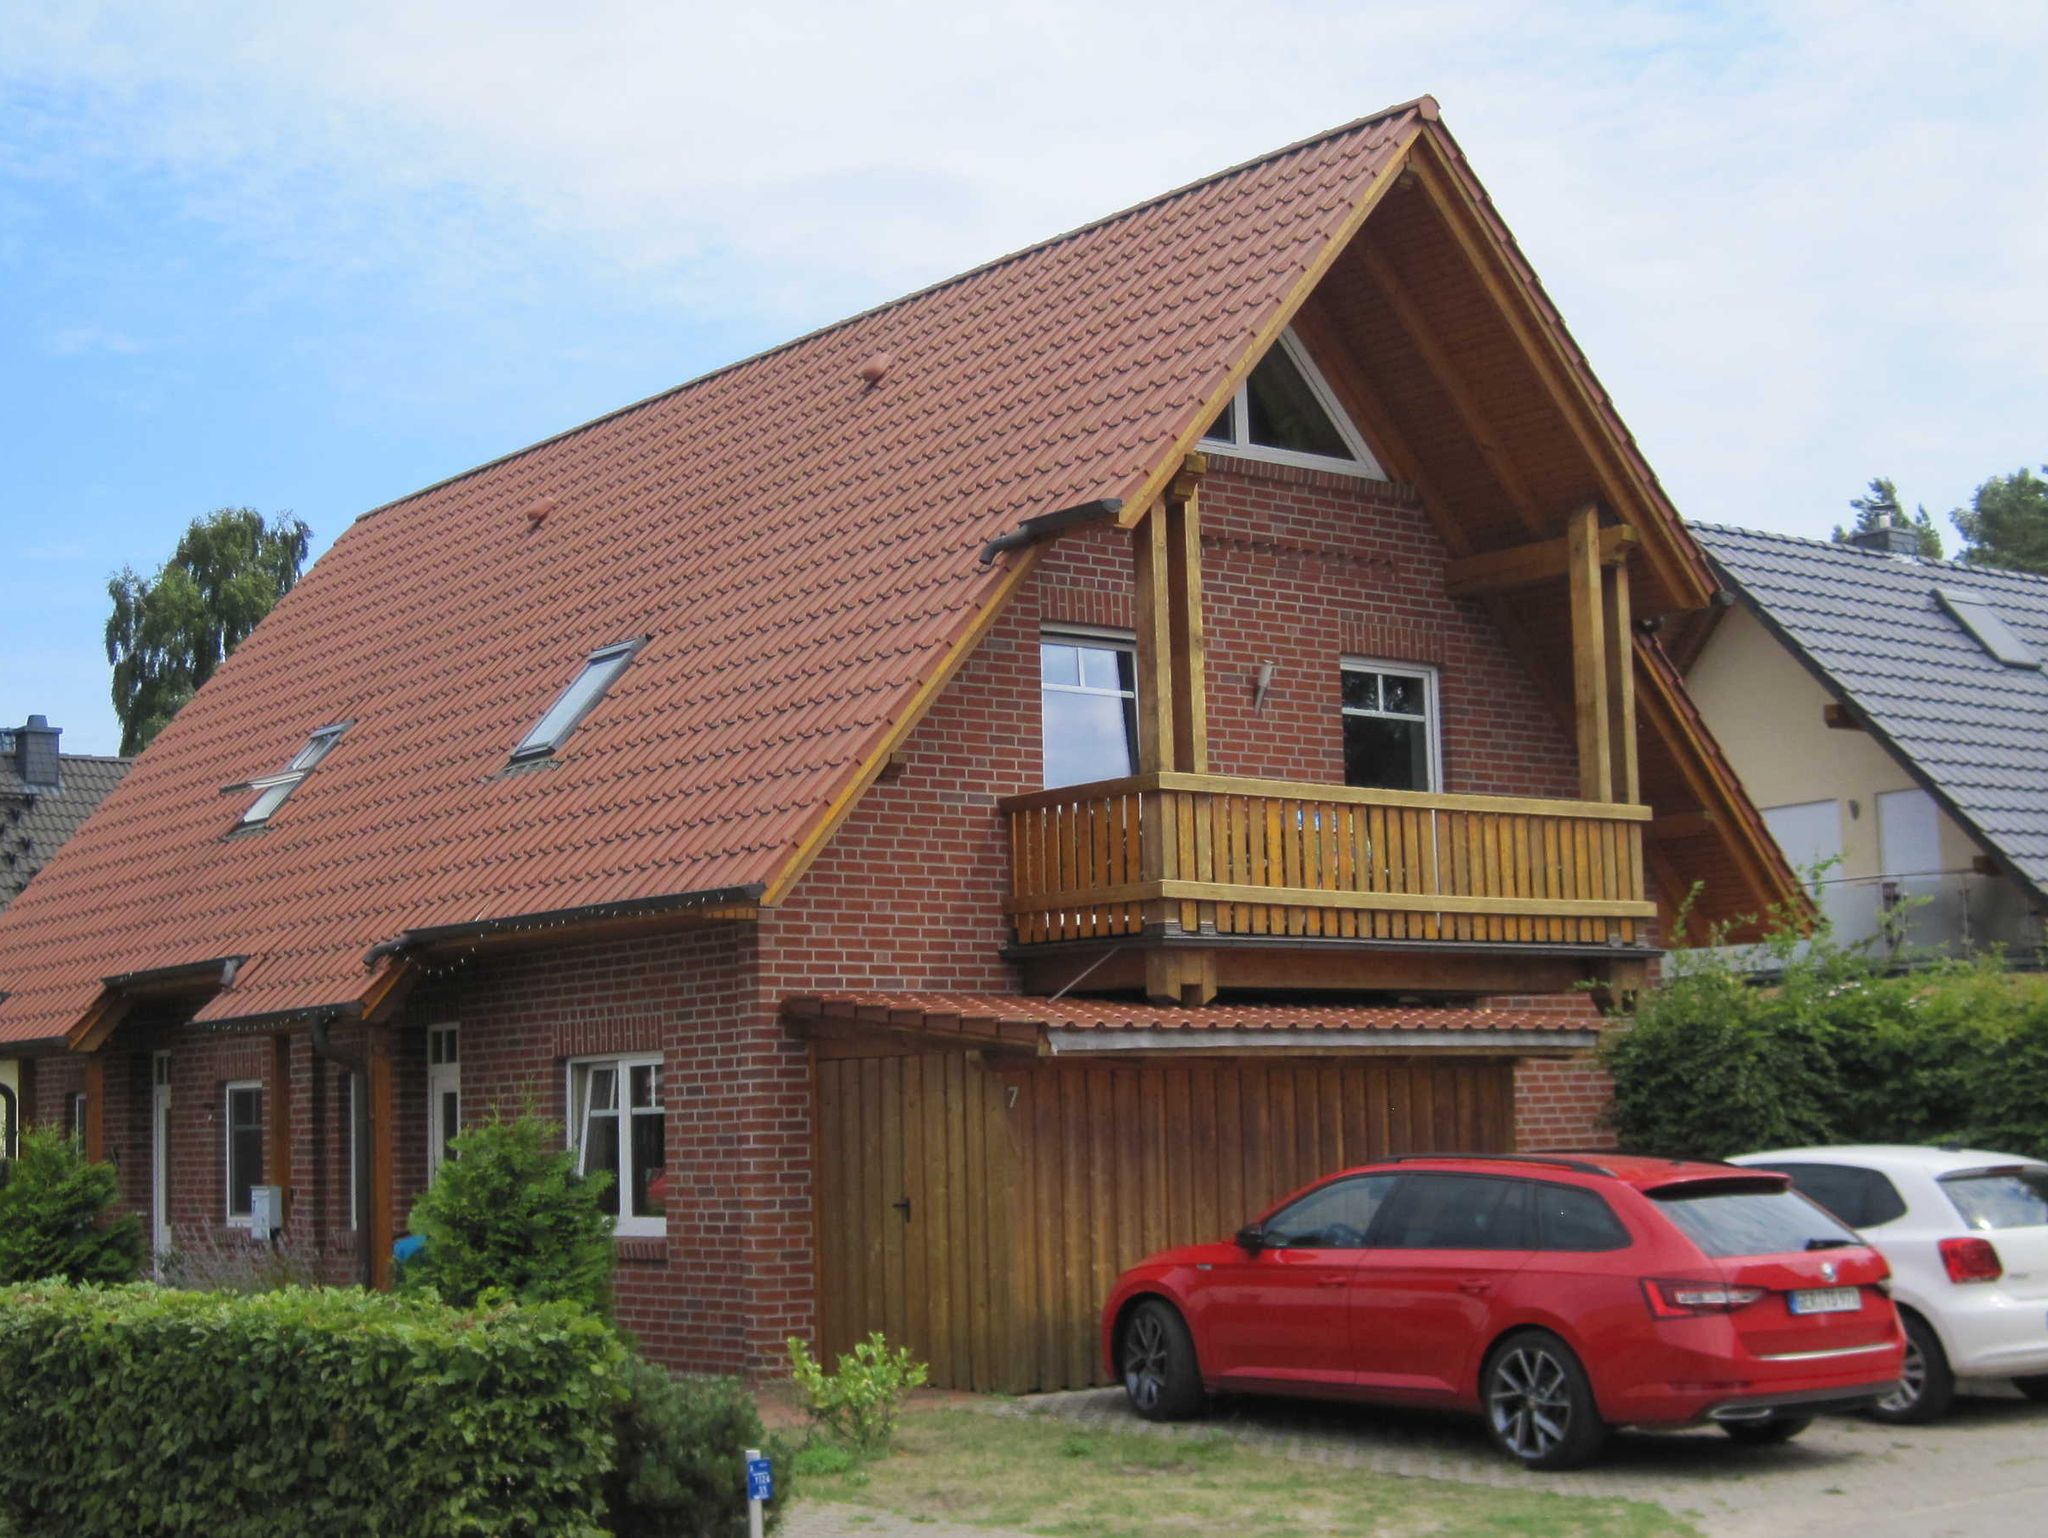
(1213, 854)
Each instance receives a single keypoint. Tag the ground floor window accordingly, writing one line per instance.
(617, 1126)
(74, 1116)
(243, 1154)
(444, 1095)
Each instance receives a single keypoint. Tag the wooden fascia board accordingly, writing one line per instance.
(1501, 571)
(892, 738)
(1154, 484)
(1680, 564)
(97, 1023)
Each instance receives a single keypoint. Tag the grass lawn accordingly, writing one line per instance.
(1040, 1476)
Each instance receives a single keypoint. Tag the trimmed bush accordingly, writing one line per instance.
(859, 1400)
(679, 1472)
(308, 1413)
(509, 1214)
(54, 1220)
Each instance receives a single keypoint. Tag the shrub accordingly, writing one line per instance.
(679, 1472)
(1835, 1048)
(54, 1218)
(510, 1214)
(206, 1260)
(859, 1402)
(312, 1413)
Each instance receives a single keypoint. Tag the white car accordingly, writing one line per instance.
(1966, 1235)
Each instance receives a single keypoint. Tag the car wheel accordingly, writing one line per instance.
(2035, 1388)
(1539, 1405)
(1767, 1433)
(1926, 1386)
(1161, 1378)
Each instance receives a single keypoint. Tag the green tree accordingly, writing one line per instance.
(55, 1216)
(169, 632)
(2006, 523)
(1879, 508)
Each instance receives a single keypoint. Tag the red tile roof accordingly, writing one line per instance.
(1108, 1015)
(800, 548)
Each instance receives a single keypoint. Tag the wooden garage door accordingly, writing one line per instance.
(979, 1212)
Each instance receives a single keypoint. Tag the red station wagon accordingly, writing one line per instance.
(1557, 1296)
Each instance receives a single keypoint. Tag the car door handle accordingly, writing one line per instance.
(1332, 1281)
(1475, 1288)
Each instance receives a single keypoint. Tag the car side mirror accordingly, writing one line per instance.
(1251, 1238)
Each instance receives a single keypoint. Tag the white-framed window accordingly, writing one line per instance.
(617, 1125)
(74, 1116)
(242, 1153)
(1391, 725)
(1088, 706)
(1285, 411)
(274, 788)
(444, 1095)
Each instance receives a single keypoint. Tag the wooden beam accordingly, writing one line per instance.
(377, 1214)
(1697, 823)
(1152, 608)
(1589, 663)
(95, 1108)
(279, 1104)
(1189, 651)
(1451, 380)
(387, 990)
(98, 1022)
(1621, 682)
(1840, 718)
(1519, 566)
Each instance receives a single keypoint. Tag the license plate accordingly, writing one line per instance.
(1827, 1300)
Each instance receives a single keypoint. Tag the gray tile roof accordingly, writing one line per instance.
(1973, 730)
(34, 820)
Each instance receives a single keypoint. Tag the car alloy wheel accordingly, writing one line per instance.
(1912, 1382)
(1530, 1401)
(1926, 1384)
(1145, 1361)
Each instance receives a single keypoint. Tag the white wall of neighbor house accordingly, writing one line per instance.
(1768, 714)
(10, 1103)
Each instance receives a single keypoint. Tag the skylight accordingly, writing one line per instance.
(1286, 412)
(274, 788)
(1973, 611)
(600, 670)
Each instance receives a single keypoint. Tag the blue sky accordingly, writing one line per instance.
(315, 257)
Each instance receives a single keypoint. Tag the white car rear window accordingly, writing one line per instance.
(1989, 1199)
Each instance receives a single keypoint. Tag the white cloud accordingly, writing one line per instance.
(1803, 244)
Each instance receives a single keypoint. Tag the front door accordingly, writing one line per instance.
(1281, 1315)
(160, 1151)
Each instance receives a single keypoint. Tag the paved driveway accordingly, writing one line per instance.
(1981, 1473)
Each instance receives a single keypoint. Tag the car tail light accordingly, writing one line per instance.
(1682, 1300)
(1971, 1260)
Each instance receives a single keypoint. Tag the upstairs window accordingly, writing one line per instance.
(1286, 412)
(273, 788)
(1390, 726)
(1088, 696)
(600, 671)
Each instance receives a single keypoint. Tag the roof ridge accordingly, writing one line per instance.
(1425, 106)
(1842, 547)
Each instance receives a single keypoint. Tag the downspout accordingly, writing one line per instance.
(359, 1134)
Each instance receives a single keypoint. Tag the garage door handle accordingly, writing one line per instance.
(903, 1207)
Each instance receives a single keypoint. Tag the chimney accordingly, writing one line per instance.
(35, 753)
(1887, 540)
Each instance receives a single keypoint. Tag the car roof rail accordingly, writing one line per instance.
(1555, 1161)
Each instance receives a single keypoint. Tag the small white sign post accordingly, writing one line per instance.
(760, 1487)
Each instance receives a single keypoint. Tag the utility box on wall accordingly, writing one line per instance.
(266, 1211)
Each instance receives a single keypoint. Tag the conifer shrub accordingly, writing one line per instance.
(56, 1216)
(509, 1215)
(679, 1471)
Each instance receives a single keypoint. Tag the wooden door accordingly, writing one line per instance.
(911, 1186)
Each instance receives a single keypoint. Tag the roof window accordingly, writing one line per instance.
(600, 670)
(1973, 611)
(1286, 412)
(272, 789)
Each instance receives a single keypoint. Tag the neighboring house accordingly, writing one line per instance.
(947, 805)
(44, 796)
(1890, 716)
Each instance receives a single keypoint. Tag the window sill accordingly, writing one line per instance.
(640, 1249)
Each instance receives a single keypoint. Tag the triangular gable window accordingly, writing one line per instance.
(1286, 412)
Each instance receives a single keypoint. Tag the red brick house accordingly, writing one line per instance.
(945, 805)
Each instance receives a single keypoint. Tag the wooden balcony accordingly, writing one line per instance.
(1183, 855)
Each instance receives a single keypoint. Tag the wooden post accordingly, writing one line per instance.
(1184, 603)
(1621, 681)
(280, 1119)
(95, 1107)
(377, 1214)
(1152, 609)
(1589, 663)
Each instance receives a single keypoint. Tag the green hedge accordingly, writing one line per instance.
(1834, 1048)
(304, 1413)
